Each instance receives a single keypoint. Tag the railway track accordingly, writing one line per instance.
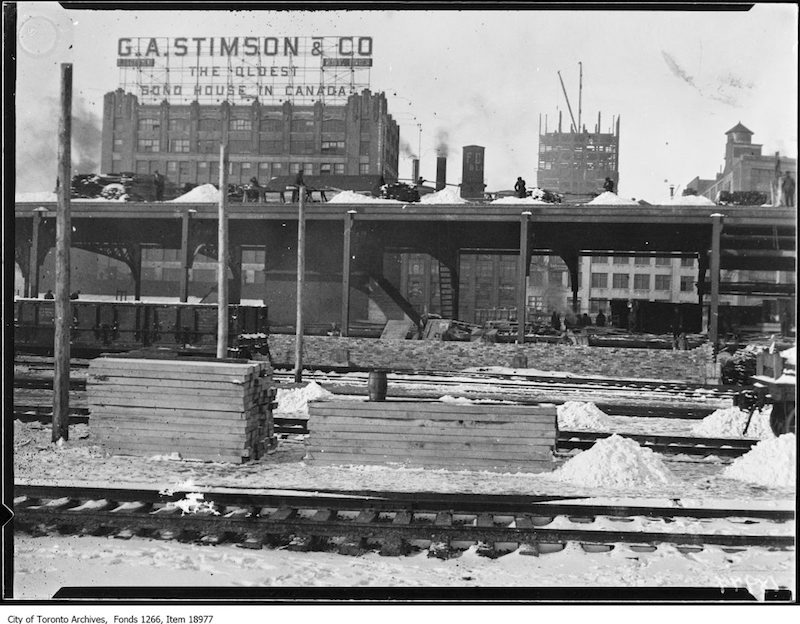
(394, 523)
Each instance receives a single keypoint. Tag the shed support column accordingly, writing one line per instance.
(32, 282)
(235, 290)
(347, 253)
(186, 260)
(522, 299)
(136, 270)
(713, 331)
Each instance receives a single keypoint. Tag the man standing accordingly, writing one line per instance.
(608, 185)
(519, 187)
(158, 182)
(787, 186)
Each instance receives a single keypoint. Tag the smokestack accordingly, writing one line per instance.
(441, 172)
(472, 185)
(414, 170)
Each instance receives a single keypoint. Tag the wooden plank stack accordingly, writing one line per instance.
(213, 410)
(433, 434)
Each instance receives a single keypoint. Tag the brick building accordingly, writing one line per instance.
(182, 141)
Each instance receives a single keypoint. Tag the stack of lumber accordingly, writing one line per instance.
(433, 434)
(209, 410)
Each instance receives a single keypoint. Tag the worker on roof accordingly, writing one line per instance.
(519, 187)
(608, 185)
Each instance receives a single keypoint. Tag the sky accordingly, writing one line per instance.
(677, 80)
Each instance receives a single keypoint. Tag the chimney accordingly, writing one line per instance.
(472, 185)
(414, 170)
(441, 172)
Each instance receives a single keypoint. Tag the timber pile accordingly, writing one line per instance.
(213, 410)
(433, 434)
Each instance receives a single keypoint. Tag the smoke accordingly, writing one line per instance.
(442, 142)
(406, 150)
(37, 143)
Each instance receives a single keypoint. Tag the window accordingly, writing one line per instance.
(117, 145)
(621, 260)
(536, 303)
(325, 168)
(277, 169)
(239, 146)
(179, 125)
(687, 262)
(148, 145)
(641, 260)
(537, 279)
(271, 125)
(116, 156)
(663, 282)
(333, 125)
(142, 166)
(264, 171)
(208, 147)
(338, 168)
(363, 168)
(302, 125)
(596, 305)
(663, 261)
(599, 260)
(599, 280)
(271, 147)
(214, 170)
(641, 281)
(209, 125)
(241, 124)
(172, 167)
(364, 148)
(333, 147)
(253, 256)
(555, 278)
(149, 124)
(687, 283)
(620, 280)
(308, 168)
(302, 147)
(179, 145)
(295, 167)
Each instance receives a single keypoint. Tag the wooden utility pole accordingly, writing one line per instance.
(222, 255)
(716, 231)
(521, 277)
(301, 269)
(63, 309)
(347, 253)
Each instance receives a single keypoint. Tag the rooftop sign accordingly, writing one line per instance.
(241, 69)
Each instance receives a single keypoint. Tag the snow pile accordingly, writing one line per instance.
(730, 421)
(790, 355)
(351, 197)
(194, 503)
(772, 463)
(574, 415)
(517, 200)
(615, 462)
(448, 195)
(689, 200)
(297, 400)
(612, 199)
(37, 196)
(456, 400)
(199, 194)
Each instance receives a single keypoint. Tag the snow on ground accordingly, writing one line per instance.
(688, 200)
(517, 200)
(448, 195)
(44, 564)
(730, 422)
(615, 462)
(611, 199)
(771, 463)
(202, 193)
(351, 197)
(578, 415)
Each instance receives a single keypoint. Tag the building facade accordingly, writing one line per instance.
(745, 168)
(182, 141)
(578, 162)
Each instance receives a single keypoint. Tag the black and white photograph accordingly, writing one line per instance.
(397, 304)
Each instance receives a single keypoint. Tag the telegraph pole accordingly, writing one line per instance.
(222, 254)
(301, 269)
(63, 308)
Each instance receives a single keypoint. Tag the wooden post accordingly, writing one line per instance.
(63, 309)
(32, 287)
(716, 231)
(222, 255)
(301, 268)
(522, 270)
(346, 255)
(186, 261)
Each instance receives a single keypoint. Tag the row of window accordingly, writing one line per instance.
(238, 146)
(149, 124)
(642, 260)
(641, 281)
(240, 172)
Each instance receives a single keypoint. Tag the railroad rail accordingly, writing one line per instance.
(395, 523)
